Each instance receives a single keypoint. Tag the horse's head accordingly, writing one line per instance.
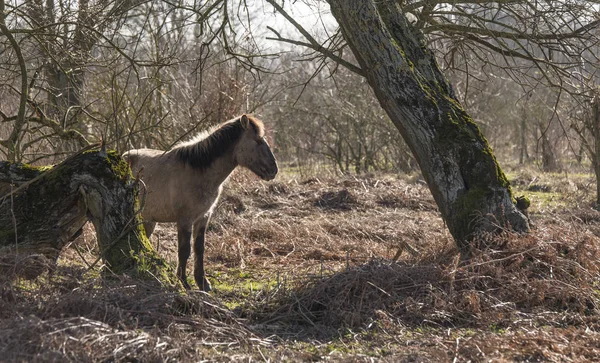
(253, 152)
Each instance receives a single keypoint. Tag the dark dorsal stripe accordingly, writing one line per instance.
(202, 153)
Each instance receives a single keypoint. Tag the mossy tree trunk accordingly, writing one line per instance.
(469, 187)
(42, 209)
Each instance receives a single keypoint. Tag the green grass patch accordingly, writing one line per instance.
(237, 287)
(541, 201)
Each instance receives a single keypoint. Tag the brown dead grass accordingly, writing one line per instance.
(322, 250)
(330, 220)
(543, 278)
(61, 317)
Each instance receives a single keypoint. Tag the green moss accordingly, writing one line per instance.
(485, 182)
(24, 171)
(238, 287)
(118, 165)
(497, 329)
(150, 266)
(406, 63)
(140, 261)
(457, 125)
(35, 170)
(459, 132)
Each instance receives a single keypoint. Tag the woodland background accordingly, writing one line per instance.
(345, 256)
(149, 74)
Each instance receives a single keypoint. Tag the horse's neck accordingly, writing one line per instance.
(220, 169)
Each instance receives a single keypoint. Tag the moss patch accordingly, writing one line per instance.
(237, 287)
(485, 184)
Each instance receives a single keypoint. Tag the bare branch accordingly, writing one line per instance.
(11, 142)
(319, 49)
(312, 42)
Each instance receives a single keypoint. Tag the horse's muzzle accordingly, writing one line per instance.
(269, 177)
(269, 173)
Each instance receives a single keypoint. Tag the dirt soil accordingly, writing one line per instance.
(345, 269)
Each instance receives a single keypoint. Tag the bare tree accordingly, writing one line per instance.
(53, 44)
(133, 73)
(534, 43)
(148, 73)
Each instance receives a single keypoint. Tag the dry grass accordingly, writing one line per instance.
(543, 278)
(63, 318)
(302, 270)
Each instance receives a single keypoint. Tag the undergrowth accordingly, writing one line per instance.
(305, 270)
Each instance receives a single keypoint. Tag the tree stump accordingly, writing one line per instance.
(43, 208)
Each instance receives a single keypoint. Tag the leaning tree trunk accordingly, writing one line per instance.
(469, 187)
(42, 209)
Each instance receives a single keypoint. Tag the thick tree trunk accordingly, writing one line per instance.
(549, 162)
(469, 187)
(42, 209)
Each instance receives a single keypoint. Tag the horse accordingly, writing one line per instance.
(184, 184)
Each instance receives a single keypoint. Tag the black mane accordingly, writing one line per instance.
(202, 153)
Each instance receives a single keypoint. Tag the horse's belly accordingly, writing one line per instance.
(157, 208)
(179, 208)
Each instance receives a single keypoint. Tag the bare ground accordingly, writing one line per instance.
(304, 270)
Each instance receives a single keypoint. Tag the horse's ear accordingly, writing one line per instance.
(245, 122)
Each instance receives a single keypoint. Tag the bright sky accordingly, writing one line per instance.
(313, 15)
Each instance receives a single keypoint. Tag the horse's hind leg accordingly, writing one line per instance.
(199, 232)
(184, 234)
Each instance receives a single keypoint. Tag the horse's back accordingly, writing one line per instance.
(141, 157)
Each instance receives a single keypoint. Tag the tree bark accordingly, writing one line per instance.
(549, 162)
(42, 209)
(469, 187)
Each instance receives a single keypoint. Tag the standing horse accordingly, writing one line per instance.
(183, 185)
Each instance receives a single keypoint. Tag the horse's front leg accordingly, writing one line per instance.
(184, 234)
(199, 233)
